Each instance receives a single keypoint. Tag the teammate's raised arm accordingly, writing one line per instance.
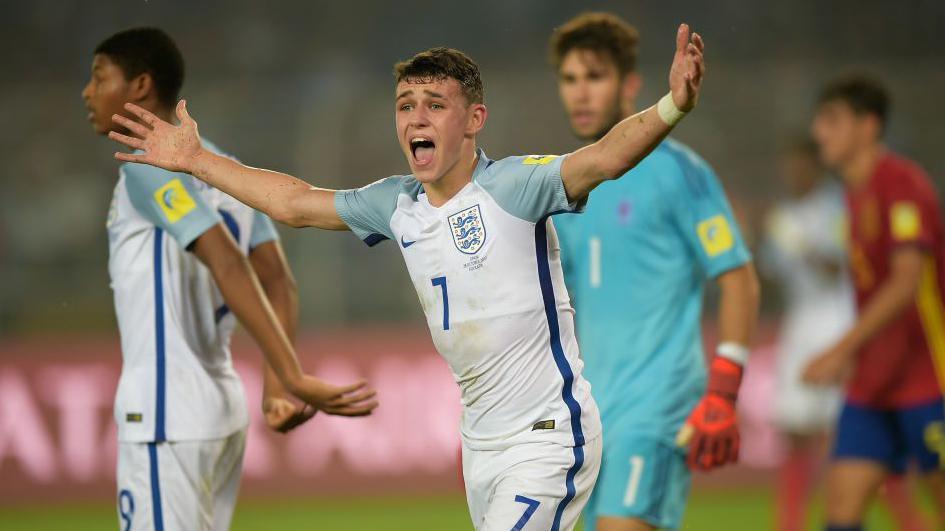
(284, 198)
(632, 139)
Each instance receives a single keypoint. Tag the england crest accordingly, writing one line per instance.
(469, 232)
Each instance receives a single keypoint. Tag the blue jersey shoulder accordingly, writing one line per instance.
(684, 171)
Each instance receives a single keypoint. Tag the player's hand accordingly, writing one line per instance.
(829, 368)
(711, 432)
(172, 147)
(283, 415)
(355, 400)
(685, 76)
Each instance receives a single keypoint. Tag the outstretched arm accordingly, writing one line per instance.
(284, 198)
(628, 142)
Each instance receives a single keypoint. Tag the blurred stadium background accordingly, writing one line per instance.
(305, 87)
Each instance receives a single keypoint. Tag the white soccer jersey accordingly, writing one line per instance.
(801, 235)
(487, 271)
(177, 379)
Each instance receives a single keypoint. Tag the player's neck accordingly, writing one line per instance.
(165, 113)
(860, 167)
(627, 109)
(443, 189)
(806, 190)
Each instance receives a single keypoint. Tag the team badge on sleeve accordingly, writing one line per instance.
(904, 220)
(538, 160)
(174, 200)
(715, 235)
(469, 233)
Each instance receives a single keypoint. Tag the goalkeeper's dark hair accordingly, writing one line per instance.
(863, 93)
(148, 51)
(601, 33)
(437, 64)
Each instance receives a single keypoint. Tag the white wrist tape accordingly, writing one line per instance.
(733, 352)
(669, 113)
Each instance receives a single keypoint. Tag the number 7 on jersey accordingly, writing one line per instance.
(441, 282)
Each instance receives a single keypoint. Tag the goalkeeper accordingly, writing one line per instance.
(635, 264)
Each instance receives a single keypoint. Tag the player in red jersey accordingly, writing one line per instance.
(895, 352)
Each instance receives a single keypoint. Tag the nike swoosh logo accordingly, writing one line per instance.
(405, 243)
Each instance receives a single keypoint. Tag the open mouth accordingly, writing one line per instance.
(423, 149)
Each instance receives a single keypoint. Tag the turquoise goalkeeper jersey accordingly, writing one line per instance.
(635, 265)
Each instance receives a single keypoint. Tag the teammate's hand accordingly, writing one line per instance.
(172, 147)
(828, 368)
(685, 76)
(284, 416)
(355, 400)
(711, 431)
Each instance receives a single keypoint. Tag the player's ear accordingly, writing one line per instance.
(630, 87)
(874, 127)
(476, 118)
(140, 87)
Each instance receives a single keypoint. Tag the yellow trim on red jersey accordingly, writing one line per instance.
(932, 315)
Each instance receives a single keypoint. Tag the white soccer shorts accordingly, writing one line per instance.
(179, 486)
(531, 486)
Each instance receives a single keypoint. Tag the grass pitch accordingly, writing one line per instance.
(730, 510)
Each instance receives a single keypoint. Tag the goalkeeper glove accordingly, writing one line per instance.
(712, 428)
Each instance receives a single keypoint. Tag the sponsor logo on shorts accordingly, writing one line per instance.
(544, 425)
(134, 417)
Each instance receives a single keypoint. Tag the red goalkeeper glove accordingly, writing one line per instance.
(712, 428)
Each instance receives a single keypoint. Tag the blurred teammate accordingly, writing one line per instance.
(635, 263)
(179, 269)
(894, 412)
(483, 257)
(805, 252)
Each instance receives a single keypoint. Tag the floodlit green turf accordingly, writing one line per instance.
(736, 510)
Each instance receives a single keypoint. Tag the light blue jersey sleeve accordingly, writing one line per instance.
(263, 230)
(702, 214)
(367, 210)
(528, 187)
(169, 201)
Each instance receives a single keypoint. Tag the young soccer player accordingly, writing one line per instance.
(180, 271)
(894, 412)
(635, 263)
(483, 257)
(804, 251)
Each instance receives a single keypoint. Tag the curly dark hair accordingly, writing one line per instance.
(602, 33)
